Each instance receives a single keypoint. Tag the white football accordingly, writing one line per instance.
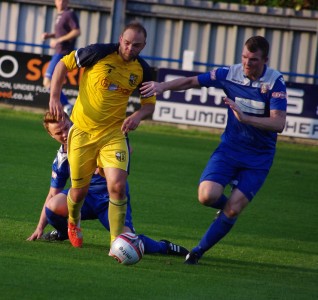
(127, 248)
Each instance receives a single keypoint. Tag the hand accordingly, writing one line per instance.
(44, 36)
(56, 108)
(35, 235)
(129, 124)
(53, 43)
(236, 109)
(150, 88)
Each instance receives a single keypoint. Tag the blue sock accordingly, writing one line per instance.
(63, 99)
(58, 222)
(152, 246)
(220, 203)
(217, 230)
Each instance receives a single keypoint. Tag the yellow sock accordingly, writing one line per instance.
(74, 210)
(116, 216)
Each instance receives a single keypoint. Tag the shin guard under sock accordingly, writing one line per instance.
(74, 210)
(116, 216)
(217, 230)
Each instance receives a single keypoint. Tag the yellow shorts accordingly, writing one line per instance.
(86, 152)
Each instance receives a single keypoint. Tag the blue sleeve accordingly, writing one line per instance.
(214, 78)
(278, 100)
(60, 174)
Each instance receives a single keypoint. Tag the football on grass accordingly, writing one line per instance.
(127, 248)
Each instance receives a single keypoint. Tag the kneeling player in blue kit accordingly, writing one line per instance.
(55, 210)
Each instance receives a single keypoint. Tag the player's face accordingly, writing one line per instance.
(131, 43)
(61, 5)
(59, 131)
(253, 63)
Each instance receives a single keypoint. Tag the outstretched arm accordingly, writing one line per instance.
(58, 78)
(151, 88)
(43, 221)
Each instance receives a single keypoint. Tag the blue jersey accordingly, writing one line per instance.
(248, 144)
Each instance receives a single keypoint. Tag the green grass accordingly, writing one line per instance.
(271, 253)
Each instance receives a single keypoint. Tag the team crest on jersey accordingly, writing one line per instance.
(121, 156)
(133, 79)
(264, 88)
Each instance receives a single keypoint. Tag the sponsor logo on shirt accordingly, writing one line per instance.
(281, 95)
(114, 87)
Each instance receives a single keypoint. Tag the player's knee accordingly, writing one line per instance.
(206, 198)
(50, 204)
(118, 189)
(233, 210)
(209, 193)
(231, 213)
(78, 194)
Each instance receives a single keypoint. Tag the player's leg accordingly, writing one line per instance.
(216, 175)
(82, 154)
(151, 246)
(249, 183)
(114, 158)
(221, 226)
(56, 213)
(211, 194)
(162, 247)
(101, 208)
(116, 181)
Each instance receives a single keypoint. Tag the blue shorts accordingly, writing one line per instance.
(223, 169)
(96, 207)
(53, 62)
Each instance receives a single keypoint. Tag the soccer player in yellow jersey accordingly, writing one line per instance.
(99, 134)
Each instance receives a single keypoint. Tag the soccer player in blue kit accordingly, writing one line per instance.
(55, 210)
(256, 100)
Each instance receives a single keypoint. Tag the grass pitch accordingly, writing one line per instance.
(271, 253)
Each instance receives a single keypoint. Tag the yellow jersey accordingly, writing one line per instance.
(105, 86)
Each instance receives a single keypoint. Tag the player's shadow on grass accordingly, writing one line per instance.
(253, 266)
(272, 248)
